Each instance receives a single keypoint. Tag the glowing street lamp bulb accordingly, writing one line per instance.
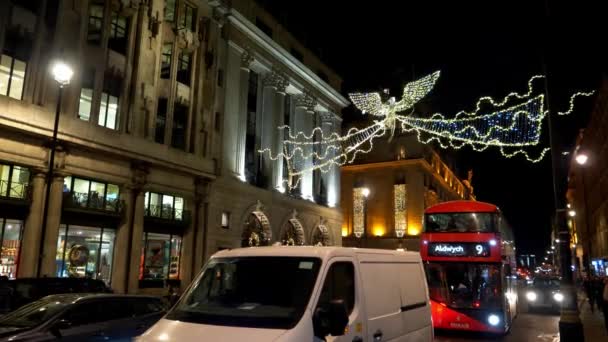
(571, 213)
(62, 73)
(581, 158)
(365, 192)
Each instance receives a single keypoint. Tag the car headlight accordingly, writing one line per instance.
(493, 320)
(531, 296)
(558, 297)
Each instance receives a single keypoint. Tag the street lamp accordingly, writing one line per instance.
(571, 213)
(62, 74)
(365, 192)
(581, 158)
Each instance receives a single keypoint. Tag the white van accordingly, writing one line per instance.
(292, 294)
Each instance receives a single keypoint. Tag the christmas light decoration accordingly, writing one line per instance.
(513, 124)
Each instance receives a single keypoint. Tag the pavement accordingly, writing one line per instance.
(536, 327)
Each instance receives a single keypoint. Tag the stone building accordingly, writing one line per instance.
(384, 194)
(157, 165)
(587, 190)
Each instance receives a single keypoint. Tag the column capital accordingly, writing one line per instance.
(246, 59)
(202, 189)
(306, 100)
(277, 80)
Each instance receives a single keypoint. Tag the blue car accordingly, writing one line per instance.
(82, 317)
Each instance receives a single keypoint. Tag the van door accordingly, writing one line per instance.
(340, 282)
(382, 300)
(415, 307)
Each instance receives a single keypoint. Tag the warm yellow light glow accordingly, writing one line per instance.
(413, 229)
(379, 231)
(344, 231)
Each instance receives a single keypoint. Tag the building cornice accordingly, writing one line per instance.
(275, 50)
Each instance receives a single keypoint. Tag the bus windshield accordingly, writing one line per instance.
(465, 285)
(460, 222)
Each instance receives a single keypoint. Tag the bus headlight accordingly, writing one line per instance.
(558, 297)
(493, 320)
(531, 296)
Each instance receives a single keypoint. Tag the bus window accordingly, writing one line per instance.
(460, 222)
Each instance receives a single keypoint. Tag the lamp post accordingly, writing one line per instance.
(62, 73)
(581, 159)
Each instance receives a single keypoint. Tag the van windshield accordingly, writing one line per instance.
(257, 292)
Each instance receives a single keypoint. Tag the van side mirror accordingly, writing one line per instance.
(331, 320)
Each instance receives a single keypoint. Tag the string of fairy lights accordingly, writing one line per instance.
(512, 124)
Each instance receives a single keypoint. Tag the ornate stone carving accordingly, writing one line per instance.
(306, 100)
(186, 40)
(277, 80)
(246, 59)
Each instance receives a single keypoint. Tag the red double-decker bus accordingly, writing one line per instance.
(469, 256)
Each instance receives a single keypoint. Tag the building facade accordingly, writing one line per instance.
(384, 195)
(156, 166)
(588, 190)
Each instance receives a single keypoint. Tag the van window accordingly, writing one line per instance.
(339, 284)
(255, 292)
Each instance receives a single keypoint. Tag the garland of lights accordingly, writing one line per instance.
(514, 123)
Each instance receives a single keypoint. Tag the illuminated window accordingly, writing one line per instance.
(358, 211)
(95, 24)
(400, 209)
(108, 111)
(12, 76)
(160, 257)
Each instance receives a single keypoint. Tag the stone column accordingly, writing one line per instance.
(304, 118)
(120, 259)
(136, 243)
(48, 266)
(31, 232)
(246, 60)
(202, 187)
(327, 125)
(273, 104)
(187, 257)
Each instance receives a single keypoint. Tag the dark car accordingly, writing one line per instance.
(544, 292)
(27, 290)
(82, 317)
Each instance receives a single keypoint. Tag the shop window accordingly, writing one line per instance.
(184, 67)
(108, 111)
(91, 194)
(164, 206)
(85, 252)
(95, 24)
(160, 257)
(165, 66)
(178, 135)
(170, 10)
(188, 18)
(12, 76)
(14, 181)
(118, 33)
(10, 232)
(161, 121)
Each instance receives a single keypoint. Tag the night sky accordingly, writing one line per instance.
(488, 48)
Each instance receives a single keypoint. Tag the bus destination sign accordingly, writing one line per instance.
(459, 249)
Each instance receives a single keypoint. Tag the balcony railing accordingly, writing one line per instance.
(167, 212)
(93, 201)
(13, 189)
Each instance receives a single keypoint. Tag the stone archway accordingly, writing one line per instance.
(320, 236)
(293, 232)
(256, 230)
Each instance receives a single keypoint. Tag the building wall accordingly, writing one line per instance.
(427, 179)
(588, 186)
(192, 152)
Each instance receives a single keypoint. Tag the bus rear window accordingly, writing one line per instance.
(460, 222)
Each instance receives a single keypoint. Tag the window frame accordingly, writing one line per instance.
(184, 59)
(115, 19)
(11, 73)
(164, 74)
(9, 182)
(105, 191)
(148, 213)
(188, 13)
(93, 21)
(174, 11)
(116, 119)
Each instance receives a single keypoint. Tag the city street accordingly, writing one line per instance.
(536, 326)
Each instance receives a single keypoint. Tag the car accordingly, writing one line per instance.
(302, 293)
(544, 292)
(27, 290)
(82, 317)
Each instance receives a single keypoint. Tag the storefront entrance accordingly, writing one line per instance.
(10, 232)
